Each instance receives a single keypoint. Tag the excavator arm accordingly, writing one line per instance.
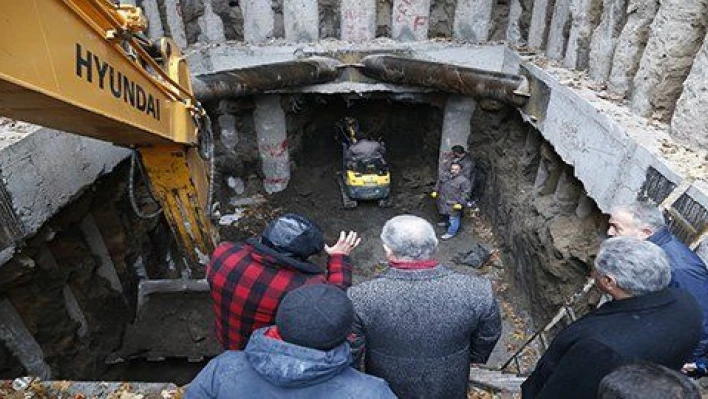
(82, 66)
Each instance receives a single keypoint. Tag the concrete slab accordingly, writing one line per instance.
(42, 170)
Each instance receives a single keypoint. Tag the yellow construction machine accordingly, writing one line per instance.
(84, 66)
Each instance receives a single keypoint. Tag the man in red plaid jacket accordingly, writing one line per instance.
(248, 280)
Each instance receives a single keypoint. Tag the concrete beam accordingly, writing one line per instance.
(410, 20)
(302, 20)
(20, 341)
(258, 21)
(228, 56)
(473, 19)
(358, 20)
(611, 151)
(269, 121)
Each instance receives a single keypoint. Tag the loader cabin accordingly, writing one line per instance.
(90, 291)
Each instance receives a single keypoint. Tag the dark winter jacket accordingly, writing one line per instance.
(455, 190)
(422, 328)
(688, 272)
(468, 168)
(271, 368)
(662, 327)
(248, 281)
(365, 148)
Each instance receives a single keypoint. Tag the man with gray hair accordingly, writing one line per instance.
(646, 222)
(646, 320)
(422, 324)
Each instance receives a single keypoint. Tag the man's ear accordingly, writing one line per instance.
(646, 233)
(387, 251)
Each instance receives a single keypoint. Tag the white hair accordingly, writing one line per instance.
(409, 237)
(638, 266)
(643, 214)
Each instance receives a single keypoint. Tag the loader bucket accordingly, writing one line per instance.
(174, 319)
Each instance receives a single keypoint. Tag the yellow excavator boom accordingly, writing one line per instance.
(82, 66)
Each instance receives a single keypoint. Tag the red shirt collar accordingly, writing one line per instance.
(273, 333)
(413, 264)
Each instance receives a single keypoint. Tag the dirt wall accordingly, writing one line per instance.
(548, 247)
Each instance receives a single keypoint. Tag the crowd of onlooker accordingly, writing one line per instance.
(293, 329)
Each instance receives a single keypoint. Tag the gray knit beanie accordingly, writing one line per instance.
(316, 316)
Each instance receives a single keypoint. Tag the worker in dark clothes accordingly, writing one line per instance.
(646, 320)
(248, 280)
(452, 194)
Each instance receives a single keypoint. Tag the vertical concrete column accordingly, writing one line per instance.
(549, 171)
(20, 341)
(456, 126)
(473, 19)
(690, 124)
(269, 121)
(585, 15)
(358, 20)
(152, 13)
(93, 237)
(258, 20)
(410, 20)
(302, 20)
(676, 36)
(568, 190)
(540, 15)
(211, 25)
(556, 33)
(604, 39)
(75, 312)
(630, 44)
(174, 20)
(513, 27)
(46, 261)
(532, 146)
(229, 134)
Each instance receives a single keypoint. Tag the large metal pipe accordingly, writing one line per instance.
(478, 83)
(258, 79)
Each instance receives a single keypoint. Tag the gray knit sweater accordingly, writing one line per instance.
(422, 328)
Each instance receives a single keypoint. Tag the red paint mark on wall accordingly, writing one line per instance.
(275, 150)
